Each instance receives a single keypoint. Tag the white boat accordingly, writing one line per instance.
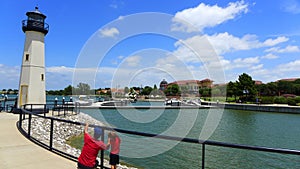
(173, 102)
(84, 100)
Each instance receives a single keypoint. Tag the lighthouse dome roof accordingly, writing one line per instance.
(36, 11)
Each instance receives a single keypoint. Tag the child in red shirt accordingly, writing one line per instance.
(114, 141)
(90, 149)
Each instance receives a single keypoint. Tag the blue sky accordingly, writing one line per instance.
(260, 38)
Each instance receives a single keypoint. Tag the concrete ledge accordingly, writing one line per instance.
(257, 107)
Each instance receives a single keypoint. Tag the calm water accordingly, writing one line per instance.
(242, 127)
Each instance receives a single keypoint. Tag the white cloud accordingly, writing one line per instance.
(120, 57)
(273, 42)
(246, 62)
(196, 49)
(109, 32)
(269, 56)
(291, 6)
(285, 70)
(257, 67)
(133, 61)
(204, 16)
(60, 69)
(290, 67)
(115, 4)
(10, 76)
(224, 42)
(288, 49)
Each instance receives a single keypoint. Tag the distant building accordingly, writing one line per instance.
(288, 80)
(193, 86)
(206, 83)
(105, 91)
(257, 82)
(163, 85)
(116, 91)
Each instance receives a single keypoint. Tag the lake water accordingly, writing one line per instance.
(274, 130)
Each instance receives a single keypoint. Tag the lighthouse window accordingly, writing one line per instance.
(42, 77)
(27, 57)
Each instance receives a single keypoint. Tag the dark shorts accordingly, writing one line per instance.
(81, 166)
(113, 159)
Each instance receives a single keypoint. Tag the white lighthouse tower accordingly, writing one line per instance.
(32, 78)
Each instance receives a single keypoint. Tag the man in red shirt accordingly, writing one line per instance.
(114, 141)
(90, 149)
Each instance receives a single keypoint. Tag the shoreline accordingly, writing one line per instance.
(275, 108)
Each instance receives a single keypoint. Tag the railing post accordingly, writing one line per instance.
(24, 107)
(102, 151)
(20, 118)
(51, 134)
(203, 155)
(45, 108)
(29, 125)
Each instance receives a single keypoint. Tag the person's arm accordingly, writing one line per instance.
(108, 144)
(86, 128)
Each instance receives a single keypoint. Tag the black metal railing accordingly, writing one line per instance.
(29, 25)
(204, 143)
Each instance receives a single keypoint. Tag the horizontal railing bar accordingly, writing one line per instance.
(256, 148)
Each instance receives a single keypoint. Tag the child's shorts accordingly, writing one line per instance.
(113, 159)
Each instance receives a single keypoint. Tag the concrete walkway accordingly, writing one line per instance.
(17, 152)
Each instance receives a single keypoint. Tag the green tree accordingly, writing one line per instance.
(246, 87)
(68, 90)
(126, 90)
(172, 90)
(147, 90)
(272, 89)
(284, 87)
(296, 88)
(155, 91)
(205, 92)
(232, 90)
(83, 88)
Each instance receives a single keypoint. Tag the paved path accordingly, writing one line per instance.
(16, 152)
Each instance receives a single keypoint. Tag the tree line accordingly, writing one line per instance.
(242, 90)
(281, 92)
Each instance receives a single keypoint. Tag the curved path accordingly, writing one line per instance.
(16, 151)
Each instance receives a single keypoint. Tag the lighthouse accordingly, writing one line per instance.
(32, 77)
